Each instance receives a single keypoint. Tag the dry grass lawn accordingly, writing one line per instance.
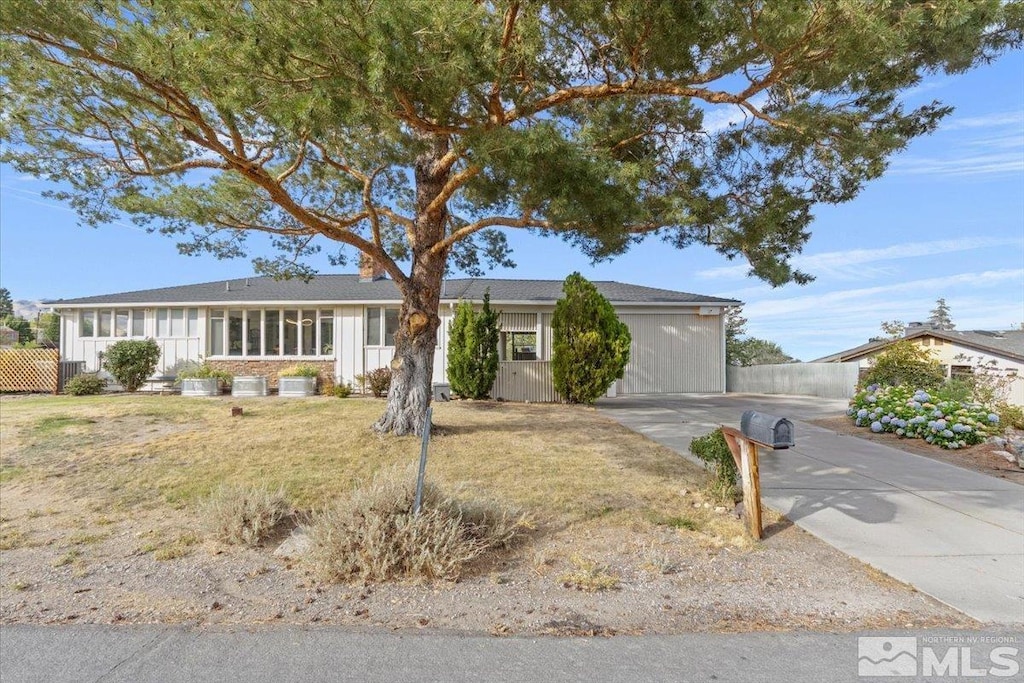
(102, 502)
(560, 464)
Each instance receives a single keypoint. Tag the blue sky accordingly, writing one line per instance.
(947, 221)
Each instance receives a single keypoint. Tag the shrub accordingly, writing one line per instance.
(590, 345)
(714, 452)
(244, 515)
(906, 363)
(132, 361)
(1010, 416)
(916, 414)
(336, 390)
(379, 381)
(473, 349)
(301, 370)
(85, 384)
(372, 535)
(204, 371)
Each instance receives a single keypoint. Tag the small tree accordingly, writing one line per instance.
(735, 327)
(49, 324)
(590, 345)
(6, 304)
(473, 349)
(904, 362)
(940, 318)
(132, 361)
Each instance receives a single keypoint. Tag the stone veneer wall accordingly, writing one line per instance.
(270, 368)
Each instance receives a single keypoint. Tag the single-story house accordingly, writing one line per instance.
(346, 325)
(960, 353)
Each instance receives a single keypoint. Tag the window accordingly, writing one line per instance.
(88, 321)
(381, 326)
(253, 334)
(177, 322)
(307, 332)
(326, 332)
(138, 323)
(520, 345)
(272, 332)
(961, 371)
(292, 323)
(234, 333)
(122, 322)
(217, 332)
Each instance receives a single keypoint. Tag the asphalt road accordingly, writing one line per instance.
(53, 654)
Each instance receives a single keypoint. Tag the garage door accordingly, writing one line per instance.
(673, 353)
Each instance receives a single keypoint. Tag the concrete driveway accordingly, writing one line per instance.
(954, 534)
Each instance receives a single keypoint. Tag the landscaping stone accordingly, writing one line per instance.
(297, 545)
(1010, 457)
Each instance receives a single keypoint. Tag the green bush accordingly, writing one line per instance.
(906, 363)
(379, 381)
(590, 345)
(1010, 416)
(713, 451)
(341, 390)
(85, 384)
(473, 349)
(132, 361)
(204, 371)
(917, 414)
(301, 370)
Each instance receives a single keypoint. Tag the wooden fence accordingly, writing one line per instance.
(31, 370)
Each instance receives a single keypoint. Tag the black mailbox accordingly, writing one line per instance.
(769, 430)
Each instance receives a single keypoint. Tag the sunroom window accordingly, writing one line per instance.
(381, 326)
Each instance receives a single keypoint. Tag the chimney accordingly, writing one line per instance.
(369, 269)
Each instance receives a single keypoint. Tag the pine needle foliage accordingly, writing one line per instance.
(590, 345)
(473, 349)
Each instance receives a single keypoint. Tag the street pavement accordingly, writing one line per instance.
(139, 654)
(955, 534)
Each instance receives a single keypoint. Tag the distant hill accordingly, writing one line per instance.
(29, 309)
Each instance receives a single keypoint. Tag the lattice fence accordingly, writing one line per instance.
(33, 370)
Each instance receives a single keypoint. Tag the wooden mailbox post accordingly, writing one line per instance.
(756, 429)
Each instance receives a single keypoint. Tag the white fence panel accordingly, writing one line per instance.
(525, 380)
(827, 380)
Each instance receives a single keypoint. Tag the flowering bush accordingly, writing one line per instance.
(916, 414)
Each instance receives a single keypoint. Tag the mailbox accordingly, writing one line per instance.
(776, 432)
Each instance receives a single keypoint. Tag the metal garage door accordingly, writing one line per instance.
(673, 353)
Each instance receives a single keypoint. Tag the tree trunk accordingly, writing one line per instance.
(412, 368)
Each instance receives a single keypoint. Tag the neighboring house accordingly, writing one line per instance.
(8, 336)
(960, 353)
(346, 324)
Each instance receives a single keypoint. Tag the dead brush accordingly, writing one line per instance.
(244, 515)
(373, 535)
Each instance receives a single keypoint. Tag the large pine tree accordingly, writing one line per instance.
(416, 131)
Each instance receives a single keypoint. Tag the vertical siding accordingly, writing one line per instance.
(673, 353)
(524, 380)
(518, 322)
(546, 336)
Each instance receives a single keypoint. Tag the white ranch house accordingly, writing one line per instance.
(346, 325)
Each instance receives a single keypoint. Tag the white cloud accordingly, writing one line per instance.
(840, 263)
(1005, 118)
(721, 117)
(976, 165)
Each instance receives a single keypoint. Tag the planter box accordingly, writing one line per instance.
(249, 385)
(206, 386)
(296, 386)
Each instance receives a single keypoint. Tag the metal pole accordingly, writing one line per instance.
(423, 462)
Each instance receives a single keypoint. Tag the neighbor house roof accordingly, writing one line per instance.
(341, 288)
(1009, 344)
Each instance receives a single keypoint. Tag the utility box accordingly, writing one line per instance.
(442, 391)
(768, 430)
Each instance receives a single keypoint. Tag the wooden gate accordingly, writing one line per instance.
(31, 370)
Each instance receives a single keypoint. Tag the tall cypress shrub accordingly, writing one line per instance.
(590, 345)
(473, 349)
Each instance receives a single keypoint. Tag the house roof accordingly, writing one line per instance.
(348, 288)
(1009, 344)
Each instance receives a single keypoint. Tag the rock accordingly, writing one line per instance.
(721, 508)
(997, 440)
(298, 544)
(1010, 457)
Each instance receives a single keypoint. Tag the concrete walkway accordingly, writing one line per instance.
(954, 534)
